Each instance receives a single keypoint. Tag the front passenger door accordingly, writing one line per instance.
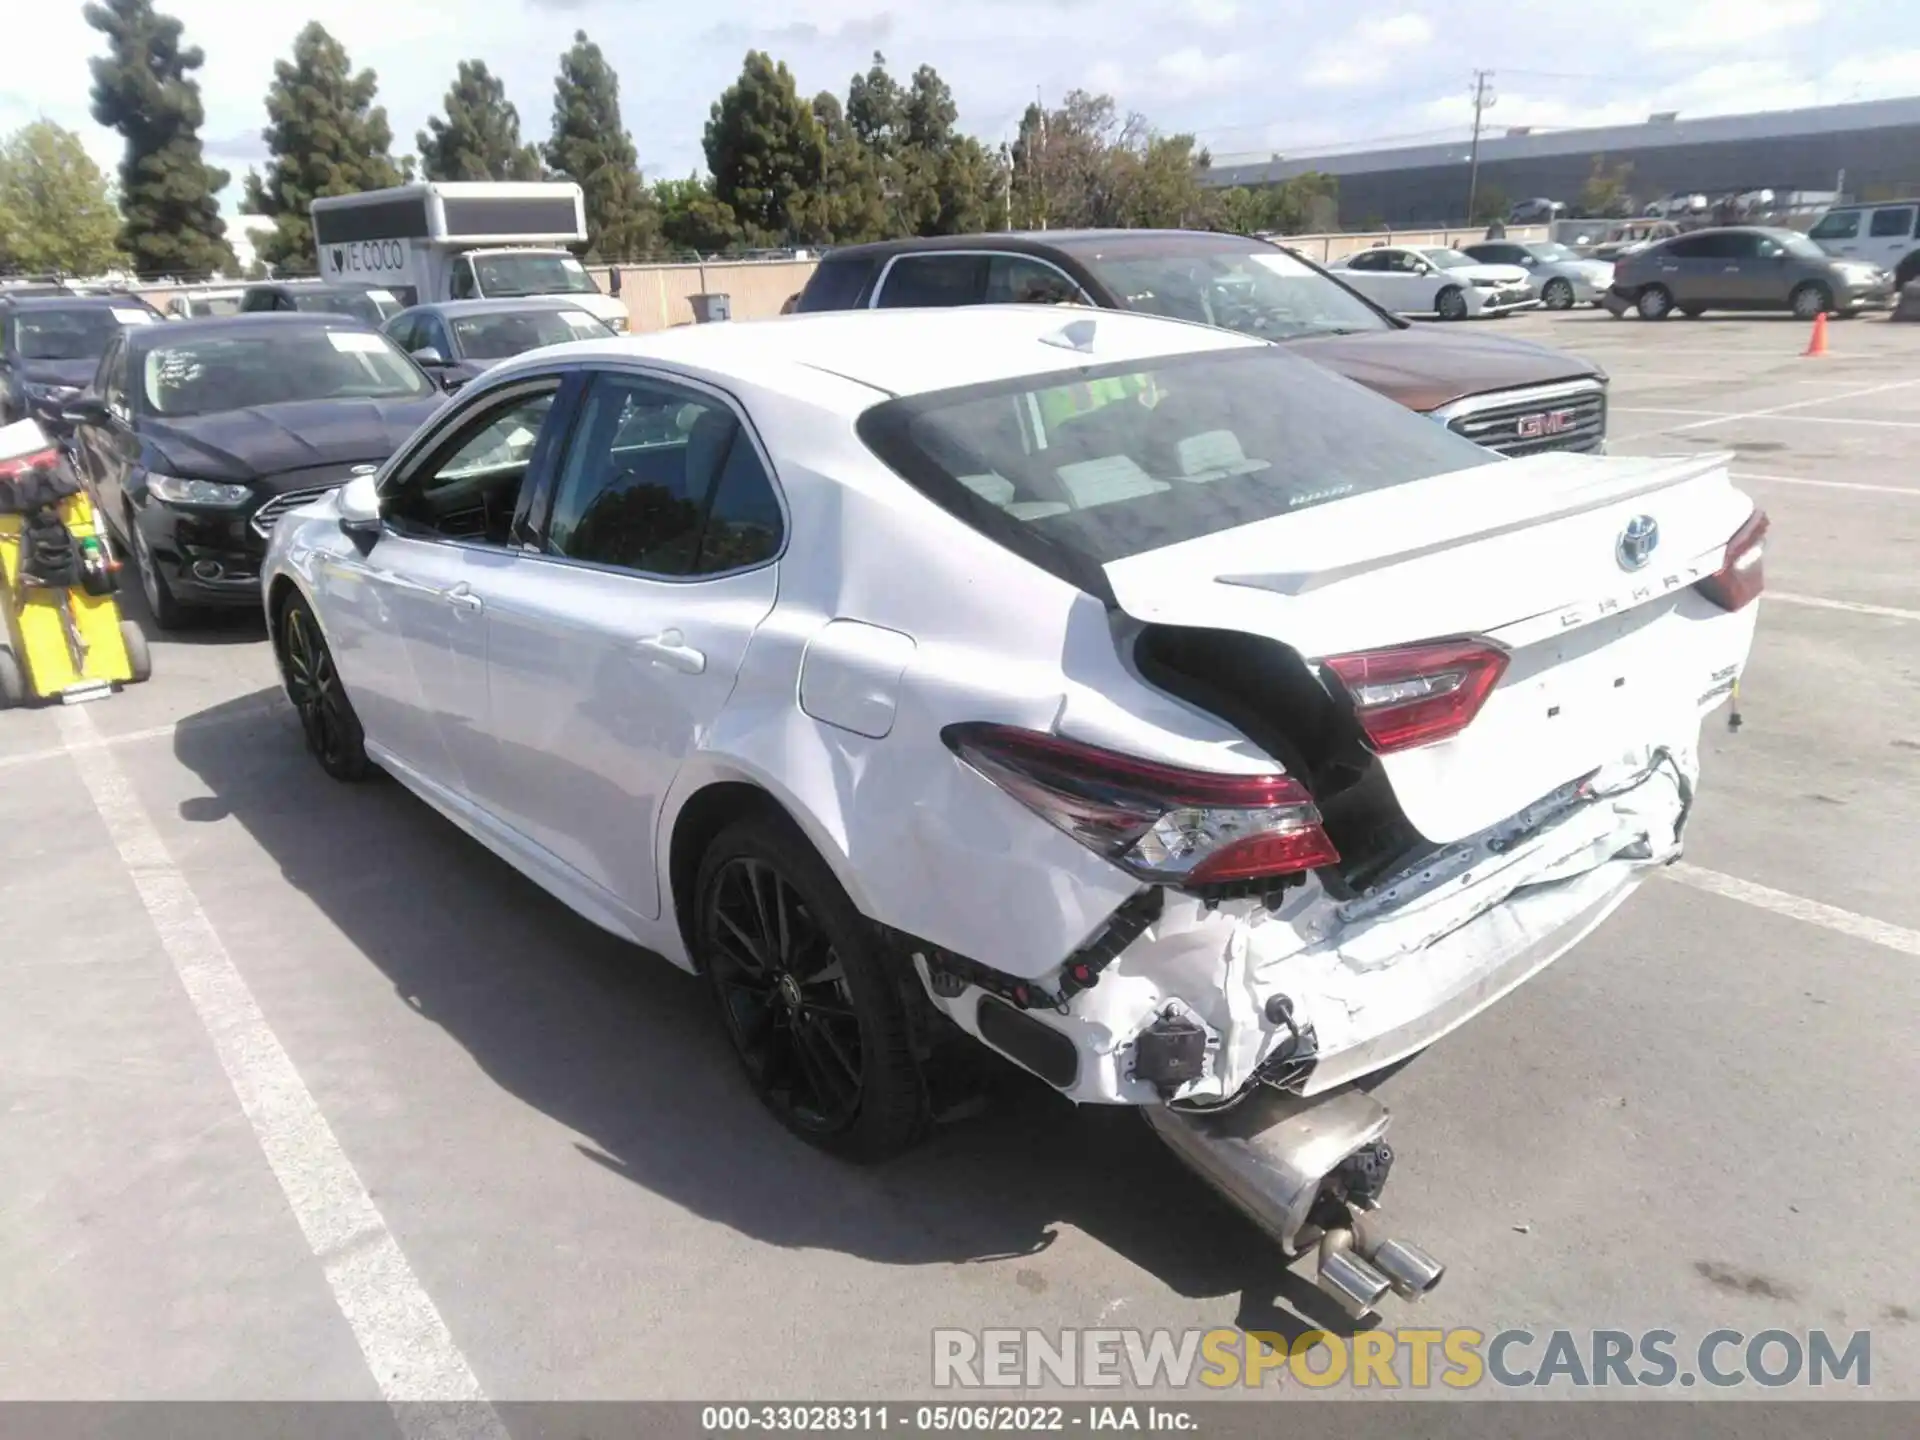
(614, 652)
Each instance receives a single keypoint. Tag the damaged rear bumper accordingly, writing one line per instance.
(1207, 1002)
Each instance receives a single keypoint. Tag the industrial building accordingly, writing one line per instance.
(1869, 150)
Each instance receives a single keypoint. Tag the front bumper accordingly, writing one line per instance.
(1361, 983)
(206, 557)
(1501, 301)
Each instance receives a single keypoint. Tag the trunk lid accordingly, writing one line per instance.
(1528, 553)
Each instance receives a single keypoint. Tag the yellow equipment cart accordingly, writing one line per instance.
(62, 642)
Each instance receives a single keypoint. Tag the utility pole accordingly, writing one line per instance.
(1483, 100)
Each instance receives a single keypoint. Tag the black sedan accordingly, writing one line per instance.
(197, 435)
(50, 346)
(459, 339)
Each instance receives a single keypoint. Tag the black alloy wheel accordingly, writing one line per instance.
(331, 728)
(805, 996)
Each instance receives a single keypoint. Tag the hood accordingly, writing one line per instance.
(1425, 367)
(244, 445)
(1502, 274)
(75, 374)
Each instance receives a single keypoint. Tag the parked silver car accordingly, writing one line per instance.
(1561, 277)
(1745, 268)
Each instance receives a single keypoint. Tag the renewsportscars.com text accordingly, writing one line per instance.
(1413, 1359)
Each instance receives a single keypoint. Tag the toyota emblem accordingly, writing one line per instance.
(1637, 542)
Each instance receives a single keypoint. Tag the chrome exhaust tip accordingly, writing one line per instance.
(1411, 1270)
(1355, 1285)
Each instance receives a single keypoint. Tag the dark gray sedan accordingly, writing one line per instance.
(456, 340)
(1744, 268)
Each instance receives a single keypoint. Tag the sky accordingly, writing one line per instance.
(1249, 77)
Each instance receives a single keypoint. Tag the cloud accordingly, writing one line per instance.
(1397, 32)
(1213, 14)
(1107, 77)
(865, 30)
(1729, 24)
(1191, 71)
(1367, 54)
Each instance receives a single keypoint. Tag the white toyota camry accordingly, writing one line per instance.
(1188, 724)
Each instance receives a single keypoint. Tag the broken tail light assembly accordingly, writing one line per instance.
(1194, 829)
(1412, 695)
(1742, 575)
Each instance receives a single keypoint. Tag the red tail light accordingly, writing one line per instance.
(1741, 576)
(1159, 822)
(20, 464)
(1417, 694)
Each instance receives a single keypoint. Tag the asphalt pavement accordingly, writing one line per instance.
(307, 1096)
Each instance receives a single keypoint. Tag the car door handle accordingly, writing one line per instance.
(462, 598)
(669, 648)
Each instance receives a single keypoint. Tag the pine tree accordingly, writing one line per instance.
(691, 219)
(850, 205)
(327, 137)
(55, 213)
(591, 147)
(143, 88)
(765, 150)
(479, 137)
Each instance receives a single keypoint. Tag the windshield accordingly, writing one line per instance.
(77, 334)
(495, 337)
(1448, 259)
(357, 304)
(1548, 250)
(232, 372)
(1261, 291)
(530, 272)
(1094, 466)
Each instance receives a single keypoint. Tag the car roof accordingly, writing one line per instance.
(69, 301)
(902, 352)
(315, 285)
(1042, 242)
(505, 305)
(277, 320)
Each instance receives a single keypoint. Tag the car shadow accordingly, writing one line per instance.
(242, 625)
(592, 1032)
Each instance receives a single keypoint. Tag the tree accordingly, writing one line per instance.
(1301, 203)
(765, 150)
(327, 137)
(55, 212)
(479, 139)
(852, 203)
(692, 219)
(1605, 193)
(1084, 164)
(1491, 205)
(591, 147)
(143, 88)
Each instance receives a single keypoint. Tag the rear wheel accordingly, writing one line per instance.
(13, 681)
(1558, 294)
(332, 730)
(1451, 304)
(806, 995)
(1811, 299)
(1655, 303)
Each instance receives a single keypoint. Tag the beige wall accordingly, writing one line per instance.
(658, 296)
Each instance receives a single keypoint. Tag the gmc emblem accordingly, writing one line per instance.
(1548, 422)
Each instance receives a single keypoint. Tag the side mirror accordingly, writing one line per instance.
(429, 357)
(85, 410)
(359, 504)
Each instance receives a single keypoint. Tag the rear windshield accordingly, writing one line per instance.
(1243, 285)
(836, 285)
(356, 304)
(1074, 471)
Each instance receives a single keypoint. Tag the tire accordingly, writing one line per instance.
(139, 657)
(13, 681)
(1908, 272)
(1558, 294)
(830, 1055)
(1655, 303)
(168, 613)
(332, 730)
(1810, 299)
(1450, 304)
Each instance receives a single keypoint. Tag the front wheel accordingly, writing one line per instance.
(13, 680)
(1811, 299)
(139, 657)
(1451, 304)
(168, 613)
(1655, 303)
(332, 730)
(807, 998)
(1558, 295)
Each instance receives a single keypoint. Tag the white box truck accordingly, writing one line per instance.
(462, 240)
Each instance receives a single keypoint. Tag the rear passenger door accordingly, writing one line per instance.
(613, 650)
(1890, 235)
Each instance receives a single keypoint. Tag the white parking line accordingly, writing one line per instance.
(1716, 416)
(1722, 419)
(1876, 932)
(130, 737)
(407, 1345)
(1911, 490)
(1853, 606)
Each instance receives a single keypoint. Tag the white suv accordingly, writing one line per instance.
(1887, 235)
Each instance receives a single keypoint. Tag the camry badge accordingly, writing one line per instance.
(1637, 542)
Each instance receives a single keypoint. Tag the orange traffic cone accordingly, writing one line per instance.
(1817, 346)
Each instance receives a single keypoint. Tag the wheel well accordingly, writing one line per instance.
(1909, 270)
(697, 826)
(277, 596)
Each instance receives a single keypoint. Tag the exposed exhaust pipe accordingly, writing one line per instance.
(1275, 1156)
